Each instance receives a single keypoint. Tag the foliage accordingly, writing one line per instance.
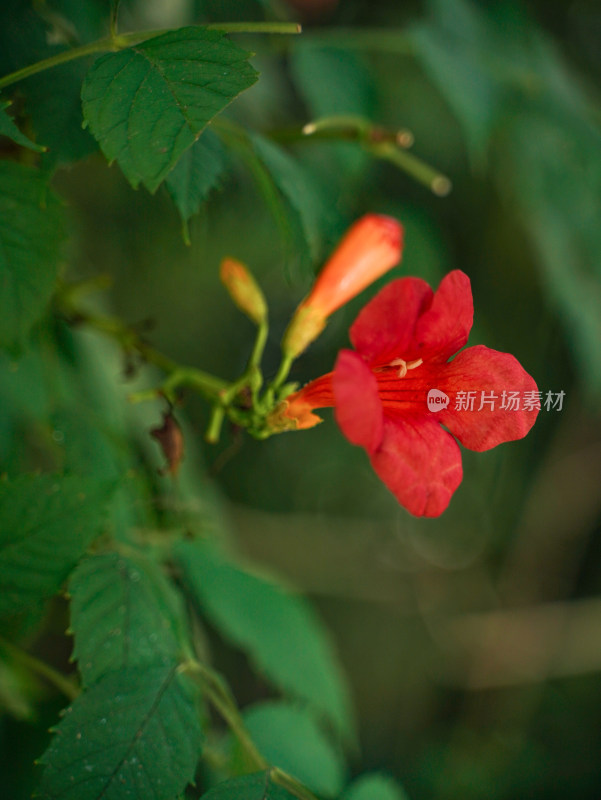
(267, 624)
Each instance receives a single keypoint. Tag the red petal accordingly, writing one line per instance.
(358, 407)
(444, 328)
(385, 328)
(420, 463)
(482, 370)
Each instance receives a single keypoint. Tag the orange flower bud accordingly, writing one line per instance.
(371, 247)
(243, 289)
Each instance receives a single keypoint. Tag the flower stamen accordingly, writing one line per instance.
(405, 365)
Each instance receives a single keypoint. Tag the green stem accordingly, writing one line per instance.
(214, 430)
(66, 686)
(418, 169)
(282, 373)
(291, 784)
(259, 345)
(116, 42)
(221, 699)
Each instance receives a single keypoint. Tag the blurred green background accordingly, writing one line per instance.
(472, 642)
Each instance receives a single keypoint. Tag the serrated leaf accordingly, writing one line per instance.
(295, 185)
(196, 173)
(148, 104)
(31, 233)
(134, 734)
(10, 130)
(258, 786)
(290, 738)
(48, 521)
(278, 629)
(374, 786)
(124, 614)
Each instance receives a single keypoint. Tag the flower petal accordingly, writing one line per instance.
(385, 328)
(358, 407)
(488, 373)
(420, 463)
(445, 327)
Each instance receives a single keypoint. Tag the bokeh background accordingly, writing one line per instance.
(472, 643)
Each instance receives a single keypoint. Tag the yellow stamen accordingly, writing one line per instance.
(405, 366)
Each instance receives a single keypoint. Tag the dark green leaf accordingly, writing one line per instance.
(249, 787)
(196, 173)
(374, 786)
(148, 104)
(551, 173)
(31, 233)
(124, 614)
(53, 100)
(134, 734)
(48, 521)
(332, 81)
(278, 629)
(296, 187)
(290, 738)
(10, 130)
(455, 48)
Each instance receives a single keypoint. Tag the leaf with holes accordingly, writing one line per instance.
(124, 613)
(47, 523)
(31, 234)
(135, 733)
(148, 104)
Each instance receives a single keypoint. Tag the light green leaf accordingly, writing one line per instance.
(9, 129)
(134, 734)
(124, 614)
(31, 233)
(258, 786)
(290, 738)
(278, 629)
(374, 786)
(195, 174)
(295, 185)
(48, 521)
(148, 104)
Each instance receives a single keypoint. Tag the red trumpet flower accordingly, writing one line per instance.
(393, 393)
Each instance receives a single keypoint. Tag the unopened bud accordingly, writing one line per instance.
(371, 247)
(243, 290)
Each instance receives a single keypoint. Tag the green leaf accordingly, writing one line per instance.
(258, 786)
(550, 172)
(374, 786)
(134, 734)
(31, 233)
(290, 738)
(48, 521)
(124, 613)
(195, 174)
(455, 48)
(10, 130)
(148, 104)
(278, 629)
(296, 187)
(53, 100)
